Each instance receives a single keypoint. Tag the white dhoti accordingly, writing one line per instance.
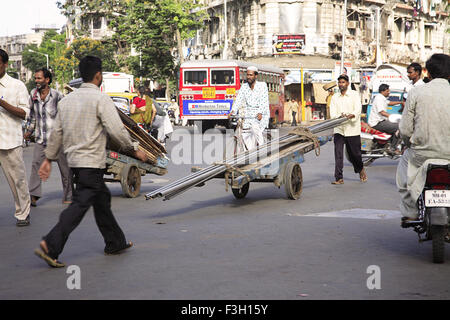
(253, 137)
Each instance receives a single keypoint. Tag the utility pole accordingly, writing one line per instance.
(225, 47)
(344, 27)
(378, 52)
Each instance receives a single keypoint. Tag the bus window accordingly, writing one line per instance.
(242, 76)
(195, 77)
(222, 77)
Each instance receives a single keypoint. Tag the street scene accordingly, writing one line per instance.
(202, 151)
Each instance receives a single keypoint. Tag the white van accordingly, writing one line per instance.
(112, 82)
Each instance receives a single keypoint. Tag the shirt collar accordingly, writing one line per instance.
(4, 80)
(347, 93)
(89, 85)
(439, 80)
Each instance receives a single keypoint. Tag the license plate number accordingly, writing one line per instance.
(437, 198)
(209, 93)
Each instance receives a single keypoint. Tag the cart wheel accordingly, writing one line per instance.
(293, 180)
(241, 193)
(130, 181)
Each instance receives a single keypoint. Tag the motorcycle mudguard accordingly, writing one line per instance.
(439, 216)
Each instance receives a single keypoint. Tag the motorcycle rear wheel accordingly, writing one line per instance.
(438, 243)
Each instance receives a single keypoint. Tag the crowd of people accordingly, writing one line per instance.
(72, 130)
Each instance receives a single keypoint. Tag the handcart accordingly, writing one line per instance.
(282, 168)
(128, 171)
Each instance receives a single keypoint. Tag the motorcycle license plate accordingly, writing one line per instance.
(437, 198)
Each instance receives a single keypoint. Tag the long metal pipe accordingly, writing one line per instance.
(208, 173)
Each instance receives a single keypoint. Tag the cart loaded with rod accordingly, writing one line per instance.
(276, 161)
(128, 170)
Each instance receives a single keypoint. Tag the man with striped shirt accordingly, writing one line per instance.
(44, 107)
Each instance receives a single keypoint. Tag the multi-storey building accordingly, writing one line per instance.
(408, 29)
(15, 45)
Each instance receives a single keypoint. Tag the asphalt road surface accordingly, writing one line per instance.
(335, 242)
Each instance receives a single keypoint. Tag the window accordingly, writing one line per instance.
(398, 30)
(242, 76)
(96, 23)
(195, 77)
(222, 77)
(428, 32)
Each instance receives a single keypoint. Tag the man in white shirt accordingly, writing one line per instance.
(14, 109)
(414, 71)
(347, 103)
(253, 102)
(378, 117)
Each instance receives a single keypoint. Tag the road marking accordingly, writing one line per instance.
(357, 213)
(158, 181)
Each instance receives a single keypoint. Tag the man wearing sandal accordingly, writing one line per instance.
(84, 119)
(347, 103)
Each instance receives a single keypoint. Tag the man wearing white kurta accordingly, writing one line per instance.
(252, 102)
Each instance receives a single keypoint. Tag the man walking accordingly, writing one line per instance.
(14, 109)
(347, 103)
(84, 119)
(44, 107)
(253, 100)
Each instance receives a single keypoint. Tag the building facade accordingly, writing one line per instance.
(15, 45)
(408, 30)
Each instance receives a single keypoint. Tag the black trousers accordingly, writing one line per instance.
(388, 127)
(353, 146)
(90, 191)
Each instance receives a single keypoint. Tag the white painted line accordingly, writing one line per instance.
(358, 213)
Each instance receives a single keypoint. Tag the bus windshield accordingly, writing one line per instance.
(222, 77)
(195, 77)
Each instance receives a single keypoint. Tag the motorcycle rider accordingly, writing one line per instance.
(378, 117)
(425, 124)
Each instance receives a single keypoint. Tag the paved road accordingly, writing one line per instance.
(205, 244)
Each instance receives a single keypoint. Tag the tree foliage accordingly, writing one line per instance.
(146, 27)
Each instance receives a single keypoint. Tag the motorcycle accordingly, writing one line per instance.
(376, 144)
(434, 208)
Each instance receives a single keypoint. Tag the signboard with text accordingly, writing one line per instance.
(288, 43)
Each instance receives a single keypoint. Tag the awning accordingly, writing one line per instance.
(320, 95)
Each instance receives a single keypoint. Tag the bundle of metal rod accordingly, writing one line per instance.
(147, 144)
(179, 186)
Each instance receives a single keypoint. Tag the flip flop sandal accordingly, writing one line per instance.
(52, 263)
(340, 181)
(127, 246)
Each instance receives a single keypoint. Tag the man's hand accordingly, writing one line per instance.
(27, 135)
(139, 154)
(259, 116)
(350, 116)
(45, 170)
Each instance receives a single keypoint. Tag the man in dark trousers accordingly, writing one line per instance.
(84, 119)
(348, 104)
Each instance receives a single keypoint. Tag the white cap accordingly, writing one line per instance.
(252, 68)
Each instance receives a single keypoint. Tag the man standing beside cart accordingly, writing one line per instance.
(348, 104)
(84, 119)
(252, 103)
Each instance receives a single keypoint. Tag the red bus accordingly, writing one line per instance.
(208, 89)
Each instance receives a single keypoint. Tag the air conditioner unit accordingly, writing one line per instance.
(352, 24)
